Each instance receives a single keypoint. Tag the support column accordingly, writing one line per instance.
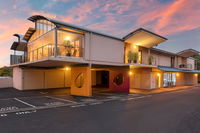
(81, 81)
(56, 43)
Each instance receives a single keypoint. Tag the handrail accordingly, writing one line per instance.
(185, 65)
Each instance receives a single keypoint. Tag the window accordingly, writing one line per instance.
(70, 44)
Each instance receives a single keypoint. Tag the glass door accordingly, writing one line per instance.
(169, 79)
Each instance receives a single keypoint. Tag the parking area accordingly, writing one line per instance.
(12, 101)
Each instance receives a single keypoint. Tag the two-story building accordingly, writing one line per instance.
(55, 54)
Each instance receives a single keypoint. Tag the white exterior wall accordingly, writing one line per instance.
(6, 82)
(17, 78)
(33, 79)
(28, 79)
(164, 60)
(105, 49)
(192, 62)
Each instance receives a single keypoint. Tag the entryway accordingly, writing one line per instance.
(100, 80)
(169, 79)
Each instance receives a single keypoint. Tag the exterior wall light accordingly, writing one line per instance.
(177, 74)
(130, 73)
(67, 68)
(196, 74)
(138, 44)
(67, 38)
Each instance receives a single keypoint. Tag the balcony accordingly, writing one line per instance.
(136, 58)
(46, 51)
(186, 66)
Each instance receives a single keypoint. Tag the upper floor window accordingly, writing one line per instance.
(42, 27)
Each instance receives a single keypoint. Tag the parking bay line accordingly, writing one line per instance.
(24, 102)
(61, 99)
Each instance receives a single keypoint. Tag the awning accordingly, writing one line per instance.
(188, 53)
(170, 69)
(144, 38)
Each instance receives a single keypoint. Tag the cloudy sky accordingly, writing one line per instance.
(177, 20)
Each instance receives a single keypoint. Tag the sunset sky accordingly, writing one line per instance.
(177, 20)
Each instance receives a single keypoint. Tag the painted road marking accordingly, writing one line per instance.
(54, 103)
(96, 103)
(89, 100)
(113, 97)
(134, 98)
(61, 99)
(8, 108)
(24, 102)
(79, 105)
(25, 112)
(3, 115)
(139, 97)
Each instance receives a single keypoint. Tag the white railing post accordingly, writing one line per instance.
(56, 43)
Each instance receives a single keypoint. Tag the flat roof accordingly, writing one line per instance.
(188, 52)
(144, 38)
(170, 69)
(163, 51)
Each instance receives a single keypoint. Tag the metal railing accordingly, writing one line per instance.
(70, 51)
(186, 66)
(16, 59)
(143, 61)
(47, 51)
(41, 52)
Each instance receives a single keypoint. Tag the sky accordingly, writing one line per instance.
(177, 20)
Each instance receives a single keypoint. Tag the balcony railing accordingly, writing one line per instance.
(144, 61)
(70, 51)
(16, 59)
(47, 51)
(186, 66)
(41, 52)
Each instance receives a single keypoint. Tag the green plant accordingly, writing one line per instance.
(130, 56)
(135, 57)
(5, 72)
(68, 47)
(150, 60)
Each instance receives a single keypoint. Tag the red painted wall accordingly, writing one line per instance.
(125, 86)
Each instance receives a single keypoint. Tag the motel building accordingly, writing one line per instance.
(55, 54)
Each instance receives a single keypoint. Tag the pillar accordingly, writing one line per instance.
(81, 81)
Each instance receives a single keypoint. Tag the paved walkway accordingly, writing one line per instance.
(161, 90)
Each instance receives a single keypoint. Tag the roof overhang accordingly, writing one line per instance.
(144, 38)
(170, 69)
(188, 53)
(60, 24)
(28, 34)
(19, 46)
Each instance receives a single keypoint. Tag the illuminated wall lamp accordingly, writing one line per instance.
(67, 38)
(130, 73)
(67, 68)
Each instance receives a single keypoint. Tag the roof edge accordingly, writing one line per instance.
(142, 29)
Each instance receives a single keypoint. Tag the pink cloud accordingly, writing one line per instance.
(172, 18)
(81, 11)
(49, 15)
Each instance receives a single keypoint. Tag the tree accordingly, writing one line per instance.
(5, 72)
(198, 61)
(198, 64)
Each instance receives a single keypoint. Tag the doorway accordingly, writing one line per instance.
(169, 80)
(102, 79)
